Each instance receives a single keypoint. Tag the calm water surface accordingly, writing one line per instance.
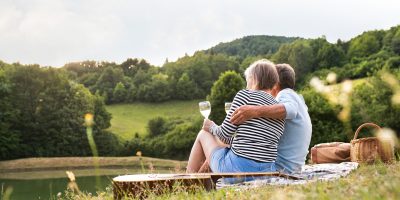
(47, 188)
(46, 185)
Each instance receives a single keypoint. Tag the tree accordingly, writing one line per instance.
(372, 102)
(156, 90)
(364, 45)
(131, 93)
(299, 55)
(186, 88)
(326, 126)
(141, 77)
(47, 113)
(107, 81)
(395, 44)
(329, 56)
(119, 93)
(156, 126)
(9, 138)
(130, 67)
(224, 90)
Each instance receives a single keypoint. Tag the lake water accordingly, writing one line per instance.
(47, 188)
(46, 184)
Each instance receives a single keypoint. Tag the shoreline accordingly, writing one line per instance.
(81, 163)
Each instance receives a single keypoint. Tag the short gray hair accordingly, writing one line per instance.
(287, 76)
(263, 73)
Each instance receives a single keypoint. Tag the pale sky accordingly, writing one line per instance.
(54, 32)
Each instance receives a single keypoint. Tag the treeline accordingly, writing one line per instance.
(42, 109)
(137, 80)
(191, 77)
(360, 57)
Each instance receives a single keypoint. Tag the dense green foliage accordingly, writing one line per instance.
(224, 90)
(174, 138)
(326, 127)
(251, 46)
(136, 80)
(372, 102)
(42, 108)
(42, 115)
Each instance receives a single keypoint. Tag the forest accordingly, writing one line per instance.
(42, 107)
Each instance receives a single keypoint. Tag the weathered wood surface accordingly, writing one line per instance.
(141, 185)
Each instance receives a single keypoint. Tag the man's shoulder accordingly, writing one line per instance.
(287, 93)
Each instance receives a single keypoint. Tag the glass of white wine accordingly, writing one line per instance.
(228, 107)
(205, 108)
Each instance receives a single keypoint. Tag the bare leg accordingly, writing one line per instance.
(203, 146)
(205, 168)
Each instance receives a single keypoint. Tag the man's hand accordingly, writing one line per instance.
(244, 113)
(207, 124)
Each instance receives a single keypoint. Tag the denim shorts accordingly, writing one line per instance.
(224, 160)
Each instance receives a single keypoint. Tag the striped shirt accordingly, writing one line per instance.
(256, 139)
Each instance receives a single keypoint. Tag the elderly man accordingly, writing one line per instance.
(294, 143)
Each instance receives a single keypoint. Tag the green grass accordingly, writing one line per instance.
(368, 182)
(128, 119)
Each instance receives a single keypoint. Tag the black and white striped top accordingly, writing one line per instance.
(256, 139)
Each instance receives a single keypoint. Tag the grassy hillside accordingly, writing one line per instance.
(128, 119)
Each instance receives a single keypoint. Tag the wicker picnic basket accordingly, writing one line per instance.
(370, 149)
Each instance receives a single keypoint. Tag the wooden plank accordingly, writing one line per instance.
(140, 185)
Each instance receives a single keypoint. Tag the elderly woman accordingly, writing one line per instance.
(253, 144)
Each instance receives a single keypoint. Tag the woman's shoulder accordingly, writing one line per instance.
(262, 96)
(257, 95)
(244, 91)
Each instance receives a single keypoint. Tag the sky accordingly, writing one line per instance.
(55, 32)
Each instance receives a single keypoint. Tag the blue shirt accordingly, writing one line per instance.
(293, 144)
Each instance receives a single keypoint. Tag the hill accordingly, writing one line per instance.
(128, 119)
(251, 45)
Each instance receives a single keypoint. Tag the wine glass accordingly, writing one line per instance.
(228, 107)
(205, 108)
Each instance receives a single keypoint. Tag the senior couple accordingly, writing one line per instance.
(267, 129)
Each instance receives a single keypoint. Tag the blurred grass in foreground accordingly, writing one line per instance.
(378, 181)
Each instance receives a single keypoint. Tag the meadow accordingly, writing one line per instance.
(377, 181)
(128, 119)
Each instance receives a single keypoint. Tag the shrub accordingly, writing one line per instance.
(224, 90)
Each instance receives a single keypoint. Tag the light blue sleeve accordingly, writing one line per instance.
(288, 99)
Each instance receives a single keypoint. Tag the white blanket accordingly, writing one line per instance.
(309, 173)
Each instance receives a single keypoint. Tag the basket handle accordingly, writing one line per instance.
(365, 125)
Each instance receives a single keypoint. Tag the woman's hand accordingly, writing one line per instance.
(207, 124)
